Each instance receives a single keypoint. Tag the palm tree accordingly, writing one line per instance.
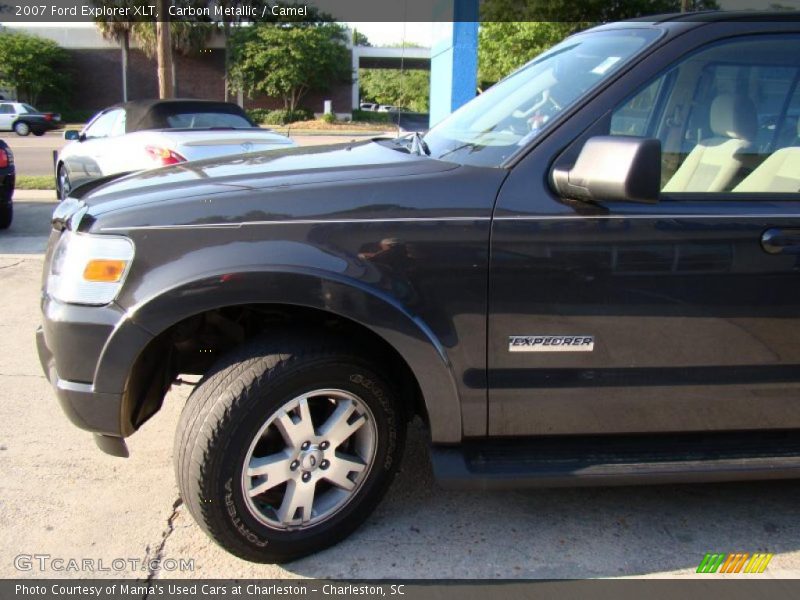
(120, 32)
(186, 37)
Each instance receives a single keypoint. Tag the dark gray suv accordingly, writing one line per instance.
(587, 275)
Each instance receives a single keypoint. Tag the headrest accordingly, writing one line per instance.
(734, 116)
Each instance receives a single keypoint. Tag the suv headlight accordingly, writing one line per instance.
(89, 269)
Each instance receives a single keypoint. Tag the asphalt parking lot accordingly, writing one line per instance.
(63, 498)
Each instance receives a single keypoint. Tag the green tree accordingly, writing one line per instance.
(584, 11)
(287, 60)
(505, 46)
(515, 31)
(186, 36)
(359, 39)
(409, 89)
(32, 65)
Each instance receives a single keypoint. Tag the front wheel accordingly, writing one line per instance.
(63, 183)
(282, 451)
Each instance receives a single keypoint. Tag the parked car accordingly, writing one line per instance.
(153, 133)
(561, 301)
(23, 119)
(368, 106)
(7, 179)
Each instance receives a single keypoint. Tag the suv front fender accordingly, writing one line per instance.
(407, 334)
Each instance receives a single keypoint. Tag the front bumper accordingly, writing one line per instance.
(87, 354)
(94, 411)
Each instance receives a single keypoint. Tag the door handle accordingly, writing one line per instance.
(781, 241)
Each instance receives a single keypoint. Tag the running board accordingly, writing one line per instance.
(617, 460)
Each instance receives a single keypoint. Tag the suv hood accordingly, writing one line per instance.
(280, 168)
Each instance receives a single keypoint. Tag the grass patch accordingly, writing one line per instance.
(35, 182)
(339, 127)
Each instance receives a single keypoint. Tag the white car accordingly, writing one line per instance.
(146, 134)
(23, 119)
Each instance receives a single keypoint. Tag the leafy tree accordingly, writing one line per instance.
(569, 11)
(287, 60)
(359, 39)
(33, 65)
(409, 89)
(186, 36)
(120, 30)
(230, 22)
(505, 46)
(515, 31)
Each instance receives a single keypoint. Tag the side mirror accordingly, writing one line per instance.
(72, 134)
(610, 168)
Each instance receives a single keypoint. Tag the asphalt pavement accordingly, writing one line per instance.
(34, 155)
(62, 498)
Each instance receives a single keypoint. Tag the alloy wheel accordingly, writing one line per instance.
(309, 459)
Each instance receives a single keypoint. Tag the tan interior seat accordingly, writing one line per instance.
(779, 173)
(714, 163)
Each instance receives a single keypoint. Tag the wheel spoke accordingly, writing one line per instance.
(338, 428)
(296, 428)
(274, 469)
(341, 466)
(299, 497)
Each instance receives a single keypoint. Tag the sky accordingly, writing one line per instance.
(387, 34)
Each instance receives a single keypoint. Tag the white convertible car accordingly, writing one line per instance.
(146, 134)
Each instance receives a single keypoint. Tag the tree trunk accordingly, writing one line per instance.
(164, 52)
(226, 29)
(125, 43)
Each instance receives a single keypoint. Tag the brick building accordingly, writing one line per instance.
(96, 71)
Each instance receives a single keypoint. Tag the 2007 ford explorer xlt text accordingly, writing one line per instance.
(587, 275)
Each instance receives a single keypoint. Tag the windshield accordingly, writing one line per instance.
(496, 124)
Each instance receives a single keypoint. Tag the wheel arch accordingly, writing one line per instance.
(344, 307)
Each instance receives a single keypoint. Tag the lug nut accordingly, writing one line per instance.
(324, 464)
(294, 465)
(305, 446)
(324, 446)
(306, 476)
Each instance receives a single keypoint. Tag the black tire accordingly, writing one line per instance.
(6, 214)
(38, 132)
(62, 178)
(21, 128)
(227, 410)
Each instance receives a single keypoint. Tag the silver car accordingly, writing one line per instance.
(146, 134)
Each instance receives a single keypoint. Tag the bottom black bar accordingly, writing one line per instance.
(709, 586)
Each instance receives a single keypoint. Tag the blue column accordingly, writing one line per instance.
(454, 59)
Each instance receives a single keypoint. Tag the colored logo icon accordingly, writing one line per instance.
(737, 562)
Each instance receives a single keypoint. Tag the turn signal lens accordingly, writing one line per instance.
(88, 269)
(103, 270)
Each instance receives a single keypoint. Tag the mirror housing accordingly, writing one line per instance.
(72, 134)
(613, 168)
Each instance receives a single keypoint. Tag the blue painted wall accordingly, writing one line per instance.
(454, 61)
